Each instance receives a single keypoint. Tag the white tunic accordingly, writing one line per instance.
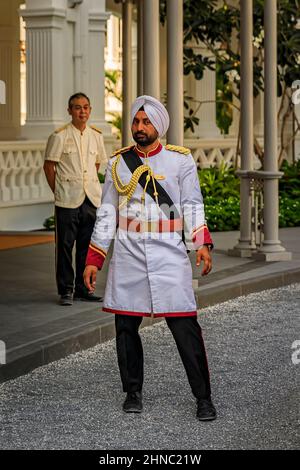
(150, 272)
(76, 155)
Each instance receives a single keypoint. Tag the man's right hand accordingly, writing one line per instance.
(89, 277)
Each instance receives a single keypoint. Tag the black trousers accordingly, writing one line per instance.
(72, 226)
(188, 337)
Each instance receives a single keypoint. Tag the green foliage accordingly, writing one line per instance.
(289, 212)
(289, 195)
(191, 118)
(289, 184)
(288, 42)
(195, 63)
(221, 193)
(101, 178)
(49, 223)
(219, 182)
(220, 189)
(222, 214)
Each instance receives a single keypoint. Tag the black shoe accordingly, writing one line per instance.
(66, 299)
(205, 409)
(133, 402)
(87, 297)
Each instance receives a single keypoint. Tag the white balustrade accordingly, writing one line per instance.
(211, 152)
(24, 190)
(22, 178)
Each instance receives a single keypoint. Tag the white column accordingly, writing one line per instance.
(175, 70)
(10, 69)
(134, 58)
(272, 250)
(95, 77)
(140, 84)
(126, 70)
(245, 246)
(151, 48)
(45, 55)
(65, 54)
(113, 53)
(80, 48)
(259, 116)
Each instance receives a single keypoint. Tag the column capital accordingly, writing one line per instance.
(97, 20)
(44, 17)
(39, 12)
(151, 48)
(175, 71)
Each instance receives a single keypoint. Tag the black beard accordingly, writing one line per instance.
(145, 140)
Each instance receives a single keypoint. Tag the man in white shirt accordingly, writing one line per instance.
(72, 159)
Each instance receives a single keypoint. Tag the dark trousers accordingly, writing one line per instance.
(188, 337)
(72, 226)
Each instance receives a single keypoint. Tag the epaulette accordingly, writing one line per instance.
(61, 128)
(177, 148)
(122, 150)
(96, 129)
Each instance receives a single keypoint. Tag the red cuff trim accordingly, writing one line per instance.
(201, 236)
(95, 256)
(98, 249)
(147, 314)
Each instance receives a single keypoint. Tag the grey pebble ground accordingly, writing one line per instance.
(75, 403)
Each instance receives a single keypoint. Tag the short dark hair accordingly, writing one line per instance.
(141, 108)
(75, 97)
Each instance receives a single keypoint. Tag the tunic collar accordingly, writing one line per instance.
(77, 131)
(148, 154)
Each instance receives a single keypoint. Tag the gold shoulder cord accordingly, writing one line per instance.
(128, 189)
(177, 148)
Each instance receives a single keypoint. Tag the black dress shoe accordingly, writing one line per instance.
(133, 402)
(205, 409)
(66, 299)
(87, 297)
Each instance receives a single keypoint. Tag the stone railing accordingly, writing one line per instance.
(21, 173)
(22, 178)
(208, 152)
(23, 183)
(25, 197)
(21, 166)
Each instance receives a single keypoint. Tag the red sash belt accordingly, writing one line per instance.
(135, 225)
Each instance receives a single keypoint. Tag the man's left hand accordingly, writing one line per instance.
(203, 254)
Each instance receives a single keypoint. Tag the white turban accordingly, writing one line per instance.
(155, 110)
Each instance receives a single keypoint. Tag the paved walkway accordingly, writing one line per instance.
(75, 403)
(36, 330)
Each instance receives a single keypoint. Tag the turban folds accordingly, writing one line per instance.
(155, 110)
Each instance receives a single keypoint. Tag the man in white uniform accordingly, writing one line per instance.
(148, 191)
(72, 159)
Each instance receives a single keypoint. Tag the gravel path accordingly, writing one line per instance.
(75, 403)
